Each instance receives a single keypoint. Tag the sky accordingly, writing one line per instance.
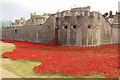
(15, 9)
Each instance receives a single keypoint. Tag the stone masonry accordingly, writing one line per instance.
(76, 27)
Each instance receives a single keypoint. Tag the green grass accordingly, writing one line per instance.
(6, 50)
(21, 68)
(24, 69)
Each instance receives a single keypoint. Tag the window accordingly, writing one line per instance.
(62, 27)
(57, 27)
(89, 26)
(15, 30)
(57, 19)
(66, 27)
(48, 26)
(74, 27)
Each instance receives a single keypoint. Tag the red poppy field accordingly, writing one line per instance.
(81, 61)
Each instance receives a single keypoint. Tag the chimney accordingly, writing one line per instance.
(31, 14)
(110, 14)
(88, 7)
(34, 13)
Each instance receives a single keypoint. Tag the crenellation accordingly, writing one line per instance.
(77, 26)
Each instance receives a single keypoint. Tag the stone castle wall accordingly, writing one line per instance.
(76, 27)
(115, 36)
(89, 28)
(39, 33)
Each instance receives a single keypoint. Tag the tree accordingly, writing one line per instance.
(105, 14)
(5, 23)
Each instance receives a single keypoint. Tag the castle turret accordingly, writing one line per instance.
(31, 17)
(34, 13)
(31, 14)
(110, 14)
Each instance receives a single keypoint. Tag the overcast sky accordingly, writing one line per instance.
(14, 9)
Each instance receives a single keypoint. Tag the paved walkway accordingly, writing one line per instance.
(6, 74)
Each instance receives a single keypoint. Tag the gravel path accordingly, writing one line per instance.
(4, 73)
(7, 74)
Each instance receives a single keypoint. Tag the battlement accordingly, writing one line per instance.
(114, 19)
(37, 19)
(77, 26)
(82, 11)
(74, 12)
